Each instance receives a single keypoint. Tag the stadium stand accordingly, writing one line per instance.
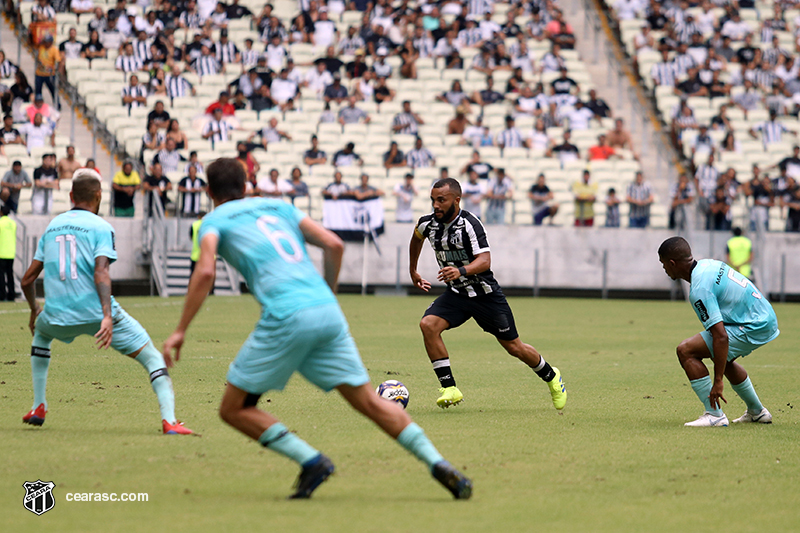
(724, 77)
(421, 56)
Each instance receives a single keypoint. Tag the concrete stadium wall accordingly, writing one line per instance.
(572, 258)
(569, 258)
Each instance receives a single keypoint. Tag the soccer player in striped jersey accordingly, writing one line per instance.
(75, 253)
(737, 320)
(462, 250)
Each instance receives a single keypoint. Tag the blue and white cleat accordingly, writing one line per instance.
(453, 480)
(709, 420)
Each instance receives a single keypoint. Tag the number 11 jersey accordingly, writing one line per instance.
(68, 249)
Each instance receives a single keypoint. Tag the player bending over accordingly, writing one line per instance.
(301, 329)
(738, 319)
(462, 250)
(75, 253)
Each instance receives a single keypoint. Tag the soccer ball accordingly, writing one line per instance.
(394, 391)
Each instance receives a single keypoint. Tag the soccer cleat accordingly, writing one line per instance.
(453, 480)
(450, 396)
(175, 429)
(312, 477)
(709, 420)
(762, 417)
(557, 390)
(36, 416)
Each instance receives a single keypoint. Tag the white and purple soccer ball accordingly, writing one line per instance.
(394, 391)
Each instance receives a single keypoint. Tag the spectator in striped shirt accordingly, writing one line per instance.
(206, 64)
(612, 209)
(249, 57)
(771, 131)
(639, 198)
(43, 12)
(510, 137)
(224, 50)
(499, 190)
(134, 95)
(177, 85)
(216, 130)
(663, 73)
(419, 156)
(168, 157)
(407, 122)
(128, 62)
(190, 18)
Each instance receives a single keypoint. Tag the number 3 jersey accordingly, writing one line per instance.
(456, 244)
(261, 239)
(68, 249)
(720, 294)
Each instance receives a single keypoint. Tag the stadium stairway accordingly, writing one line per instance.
(179, 272)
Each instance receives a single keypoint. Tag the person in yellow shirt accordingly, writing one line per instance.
(8, 249)
(585, 196)
(48, 58)
(125, 184)
(739, 254)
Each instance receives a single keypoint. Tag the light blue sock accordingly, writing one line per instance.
(413, 439)
(40, 363)
(702, 387)
(747, 393)
(278, 438)
(153, 361)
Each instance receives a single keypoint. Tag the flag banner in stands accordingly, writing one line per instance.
(348, 218)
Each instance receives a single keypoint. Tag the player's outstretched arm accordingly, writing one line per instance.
(719, 341)
(199, 286)
(332, 249)
(414, 249)
(29, 290)
(102, 282)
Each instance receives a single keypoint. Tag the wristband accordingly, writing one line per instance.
(462, 271)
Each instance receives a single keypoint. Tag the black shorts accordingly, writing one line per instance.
(491, 312)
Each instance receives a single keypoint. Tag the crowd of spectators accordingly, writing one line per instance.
(739, 60)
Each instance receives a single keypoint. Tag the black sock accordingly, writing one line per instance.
(442, 369)
(545, 371)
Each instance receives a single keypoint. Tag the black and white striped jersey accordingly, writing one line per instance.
(457, 244)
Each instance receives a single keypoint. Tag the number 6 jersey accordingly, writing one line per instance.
(261, 239)
(68, 249)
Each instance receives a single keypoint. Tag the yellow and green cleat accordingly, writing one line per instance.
(450, 396)
(557, 390)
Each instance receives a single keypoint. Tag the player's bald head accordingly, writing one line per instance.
(675, 249)
(86, 183)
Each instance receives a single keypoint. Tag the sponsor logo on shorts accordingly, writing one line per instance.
(503, 330)
(701, 309)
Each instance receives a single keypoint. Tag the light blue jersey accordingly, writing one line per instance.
(720, 294)
(68, 249)
(261, 239)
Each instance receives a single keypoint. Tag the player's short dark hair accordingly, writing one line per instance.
(5, 209)
(675, 248)
(226, 178)
(455, 187)
(737, 231)
(85, 185)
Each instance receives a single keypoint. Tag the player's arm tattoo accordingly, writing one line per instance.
(102, 281)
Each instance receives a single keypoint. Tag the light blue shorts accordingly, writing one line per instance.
(128, 337)
(738, 345)
(315, 342)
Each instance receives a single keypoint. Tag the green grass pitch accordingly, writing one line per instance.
(617, 459)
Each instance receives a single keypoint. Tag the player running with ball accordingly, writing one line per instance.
(737, 320)
(302, 329)
(75, 253)
(462, 250)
